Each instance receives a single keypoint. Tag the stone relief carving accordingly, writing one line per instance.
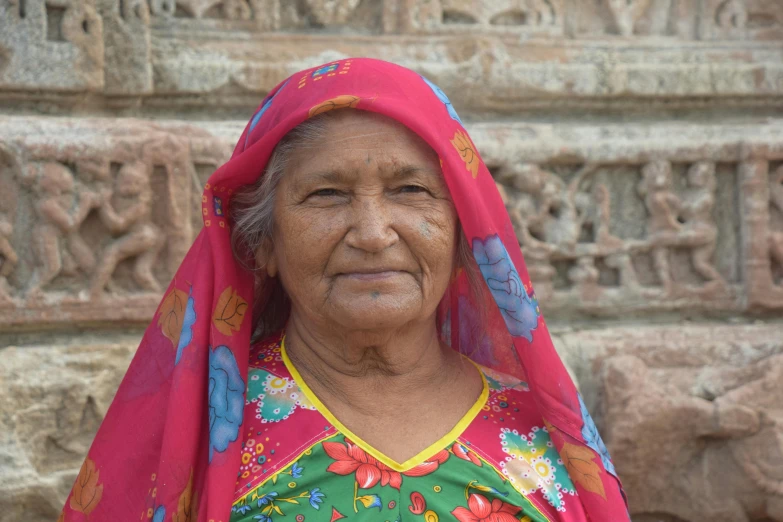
(8, 256)
(127, 46)
(221, 9)
(126, 212)
(504, 14)
(625, 14)
(740, 19)
(565, 227)
(37, 31)
(61, 207)
(681, 222)
(627, 18)
(114, 226)
(272, 15)
(776, 223)
(708, 444)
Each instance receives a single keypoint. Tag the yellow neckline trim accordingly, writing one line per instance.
(412, 462)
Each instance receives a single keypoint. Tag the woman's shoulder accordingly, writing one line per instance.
(266, 350)
(510, 435)
(271, 389)
(498, 381)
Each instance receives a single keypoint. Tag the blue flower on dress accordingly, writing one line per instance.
(226, 399)
(445, 99)
(266, 499)
(160, 514)
(186, 334)
(296, 470)
(593, 438)
(519, 310)
(316, 498)
(241, 509)
(262, 518)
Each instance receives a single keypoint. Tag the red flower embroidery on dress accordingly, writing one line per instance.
(418, 504)
(463, 453)
(369, 471)
(482, 510)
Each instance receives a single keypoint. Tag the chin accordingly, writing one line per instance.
(368, 313)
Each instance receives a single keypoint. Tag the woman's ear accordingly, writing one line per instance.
(265, 258)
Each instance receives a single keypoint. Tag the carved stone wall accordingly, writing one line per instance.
(638, 145)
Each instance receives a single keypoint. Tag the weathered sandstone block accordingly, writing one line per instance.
(693, 416)
(52, 400)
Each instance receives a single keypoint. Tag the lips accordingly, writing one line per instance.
(372, 276)
(369, 271)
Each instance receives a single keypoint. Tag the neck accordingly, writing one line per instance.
(370, 371)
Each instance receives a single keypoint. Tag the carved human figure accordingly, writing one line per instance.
(56, 237)
(732, 14)
(8, 256)
(663, 228)
(776, 201)
(626, 13)
(527, 216)
(528, 209)
(619, 259)
(700, 231)
(562, 211)
(127, 213)
(543, 11)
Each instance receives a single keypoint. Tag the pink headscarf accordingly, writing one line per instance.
(169, 447)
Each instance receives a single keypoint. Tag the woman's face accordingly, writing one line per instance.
(365, 230)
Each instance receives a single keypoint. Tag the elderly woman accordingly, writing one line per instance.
(353, 336)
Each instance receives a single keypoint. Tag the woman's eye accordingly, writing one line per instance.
(412, 189)
(324, 192)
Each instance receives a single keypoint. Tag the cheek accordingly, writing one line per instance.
(304, 242)
(433, 241)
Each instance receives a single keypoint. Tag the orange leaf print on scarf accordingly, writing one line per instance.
(345, 101)
(172, 312)
(229, 312)
(86, 490)
(462, 143)
(578, 460)
(187, 506)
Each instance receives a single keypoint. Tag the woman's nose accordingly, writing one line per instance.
(372, 227)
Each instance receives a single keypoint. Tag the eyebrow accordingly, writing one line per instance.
(339, 176)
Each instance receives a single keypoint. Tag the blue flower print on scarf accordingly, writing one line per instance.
(226, 399)
(519, 311)
(593, 438)
(186, 335)
(445, 99)
(160, 514)
(262, 110)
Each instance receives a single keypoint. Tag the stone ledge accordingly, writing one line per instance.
(125, 62)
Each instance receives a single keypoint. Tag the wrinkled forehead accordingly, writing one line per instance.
(350, 133)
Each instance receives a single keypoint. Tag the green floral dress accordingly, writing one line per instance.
(300, 464)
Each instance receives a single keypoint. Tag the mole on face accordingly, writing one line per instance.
(424, 227)
(375, 294)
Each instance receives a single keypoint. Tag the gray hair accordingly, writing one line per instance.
(252, 215)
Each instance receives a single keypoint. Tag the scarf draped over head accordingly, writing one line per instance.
(169, 447)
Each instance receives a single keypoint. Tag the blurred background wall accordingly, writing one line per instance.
(638, 145)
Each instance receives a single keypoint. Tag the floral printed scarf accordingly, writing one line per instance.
(169, 447)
